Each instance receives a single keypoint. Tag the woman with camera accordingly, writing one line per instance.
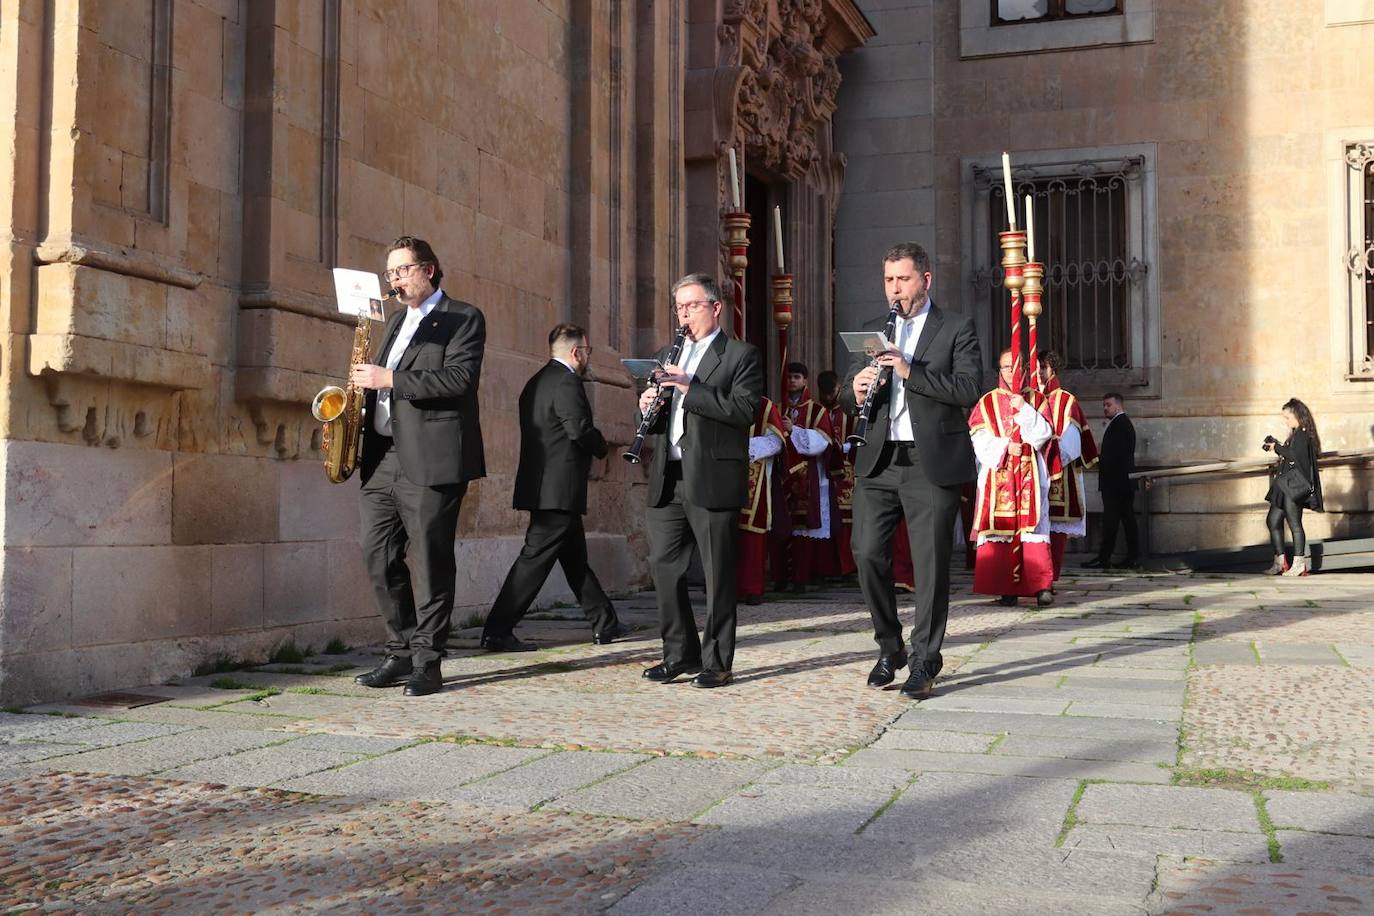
(1295, 485)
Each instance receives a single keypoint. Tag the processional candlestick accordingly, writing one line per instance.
(737, 233)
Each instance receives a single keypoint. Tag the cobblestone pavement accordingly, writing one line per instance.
(1152, 744)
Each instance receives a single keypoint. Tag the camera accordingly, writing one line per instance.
(1269, 442)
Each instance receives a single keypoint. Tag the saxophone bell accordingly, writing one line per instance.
(329, 403)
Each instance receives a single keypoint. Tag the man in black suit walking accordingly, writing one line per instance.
(698, 482)
(1115, 464)
(917, 457)
(557, 444)
(422, 443)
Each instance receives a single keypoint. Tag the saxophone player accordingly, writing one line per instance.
(422, 444)
(698, 482)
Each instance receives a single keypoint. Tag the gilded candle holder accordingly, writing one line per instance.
(737, 238)
(1032, 289)
(782, 300)
(1013, 259)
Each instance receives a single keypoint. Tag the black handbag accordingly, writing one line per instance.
(1294, 485)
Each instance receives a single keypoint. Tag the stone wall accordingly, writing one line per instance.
(1245, 107)
(180, 186)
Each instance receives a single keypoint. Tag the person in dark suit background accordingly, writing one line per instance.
(557, 444)
(422, 444)
(917, 458)
(1115, 464)
(698, 482)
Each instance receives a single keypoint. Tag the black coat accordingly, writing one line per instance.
(945, 382)
(557, 442)
(718, 413)
(1299, 452)
(434, 420)
(1116, 457)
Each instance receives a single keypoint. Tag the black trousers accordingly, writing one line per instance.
(396, 512)
(900, 487)
(553, 537)
(1284, 508)
(1118, 510)
(673, 528)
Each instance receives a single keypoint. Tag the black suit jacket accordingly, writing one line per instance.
(945, 382)
(557, 442)
(1116, 458)
(434, 420)
(718, 412)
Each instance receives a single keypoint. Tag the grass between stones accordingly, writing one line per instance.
(896, 794)
(1337, 652)
(1267, 825)
(1071, 816)
(1254, 649)
(1222, 778)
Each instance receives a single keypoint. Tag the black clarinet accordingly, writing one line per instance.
(651, 415)
(860, 434)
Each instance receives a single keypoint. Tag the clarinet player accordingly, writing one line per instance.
(698, 481)
(916, 457)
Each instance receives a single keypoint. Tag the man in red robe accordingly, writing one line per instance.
(1072, 449)
(756, 518)
(809, 437)
(1011, 517)
(838, 560)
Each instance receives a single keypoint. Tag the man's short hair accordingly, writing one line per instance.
(1052, 359)
(423, 254)
(911, 250)
(1114, 396)
(705, 281)
(827, 380)
(565, 333)
(799, 369)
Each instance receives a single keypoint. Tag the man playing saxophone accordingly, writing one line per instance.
(422, 443)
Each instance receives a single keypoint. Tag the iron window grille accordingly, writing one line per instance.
(1359, 258)
(1089, 223)
(1011, 12)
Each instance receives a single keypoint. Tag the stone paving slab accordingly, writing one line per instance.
(837, 777)
(963, 701)
(1224, 652)
(261, 766)
(694, 890)
(1047, 726)
(1004, 765)
(667, 788)
(545, 778)
(813, 809)
(1159, 694)
(34, 727)
(305, 706)
(1154, 713)
(350, 744)
(909, 740)
(1322, 812)
(970, 806)
(1150, 842)
(157, 754)
(209, 719)
(432, 771)
(937, 897)
(1354, 854)
(1131, 750)
(1186, 807)
(1272, 653)
(110, 734)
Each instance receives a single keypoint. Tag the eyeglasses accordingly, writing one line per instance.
(402, 270)
(694, 305)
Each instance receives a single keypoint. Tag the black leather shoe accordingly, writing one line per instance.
(1097, 563)
(507, 643)
(424, 681)
(885, 672)
(1007, 601)
(665, 673)
(610, 634)
(918, 686)
(1128, 563)
(1044, 598)
(390, 673)
(753, 600)
(709, 679)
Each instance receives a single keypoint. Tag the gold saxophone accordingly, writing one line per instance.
(341, 412)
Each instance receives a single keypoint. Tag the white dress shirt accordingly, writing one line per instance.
(409, 325)
(908, 331)
(692, 352)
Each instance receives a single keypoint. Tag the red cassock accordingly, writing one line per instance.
(807, 497)
(756, 518)
(1011, 522)
(1072, 450)
(838, 558)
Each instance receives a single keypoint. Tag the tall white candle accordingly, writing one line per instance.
(777, 237)
(1006, 183)
(1030, 230)
(734, 180)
